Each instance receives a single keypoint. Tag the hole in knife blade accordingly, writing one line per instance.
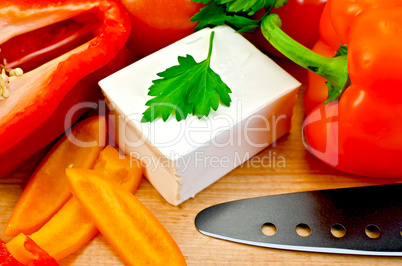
(338, 230)
(303, 230)
(269, 229)
(372, 231)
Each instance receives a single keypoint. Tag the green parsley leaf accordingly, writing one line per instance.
(242, 24)
(235, 13)
(212, 14)
(280, 3)
(249, 6)
(187, 88)
(215, 14)
(202, 1)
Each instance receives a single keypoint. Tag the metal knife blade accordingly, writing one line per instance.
(356, 210)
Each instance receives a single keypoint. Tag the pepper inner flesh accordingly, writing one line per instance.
(33, 49)
(39, 56)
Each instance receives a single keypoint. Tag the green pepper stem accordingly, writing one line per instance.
(334, 69)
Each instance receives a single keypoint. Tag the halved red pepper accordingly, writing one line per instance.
(358, 130)
(58, 44)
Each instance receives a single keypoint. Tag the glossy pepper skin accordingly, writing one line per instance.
(59, 78)
(358, 132)
(335, 23)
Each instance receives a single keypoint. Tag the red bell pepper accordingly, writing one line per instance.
(358, 130)
(43, 258)
(5, 257)
(334, 27)
(58, 44)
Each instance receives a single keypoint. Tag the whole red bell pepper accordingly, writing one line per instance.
(64, 48)
(358, 129)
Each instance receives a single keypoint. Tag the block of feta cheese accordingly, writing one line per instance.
(182, 158)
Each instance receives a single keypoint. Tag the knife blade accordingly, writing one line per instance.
(369, 218)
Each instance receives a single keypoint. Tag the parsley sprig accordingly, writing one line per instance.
(187, 88)
(235, 13)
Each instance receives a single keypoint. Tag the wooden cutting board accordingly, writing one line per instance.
(284, 167)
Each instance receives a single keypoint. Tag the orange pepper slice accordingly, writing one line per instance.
(129, 227)
(70, 228)
(47, 189)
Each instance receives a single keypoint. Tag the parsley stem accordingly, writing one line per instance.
(211, 41)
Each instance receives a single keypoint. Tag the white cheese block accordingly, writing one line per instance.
(182, 158)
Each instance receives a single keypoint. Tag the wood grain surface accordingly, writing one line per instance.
(298, 171)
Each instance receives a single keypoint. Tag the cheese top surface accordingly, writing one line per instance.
(255, 81)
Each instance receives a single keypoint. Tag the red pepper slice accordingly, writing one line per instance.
(5, 257)
(58, 44)
(43, 258)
